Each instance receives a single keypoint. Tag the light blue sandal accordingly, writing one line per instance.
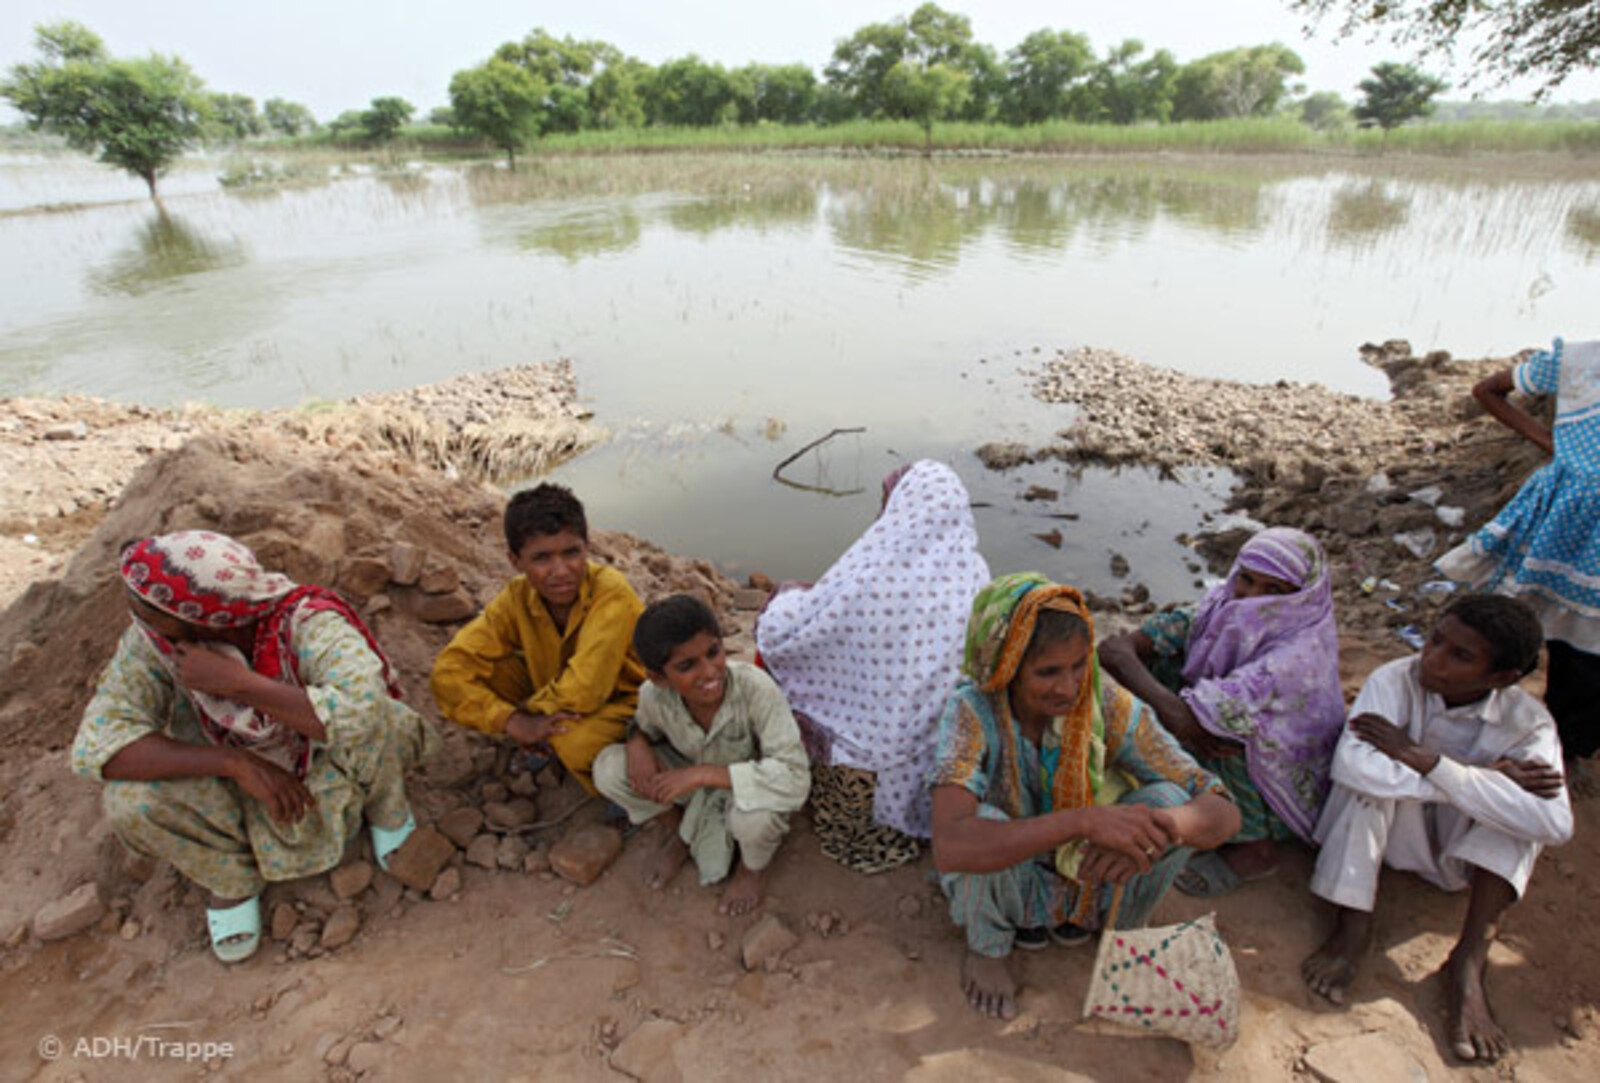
(236, 930)
(386, 840)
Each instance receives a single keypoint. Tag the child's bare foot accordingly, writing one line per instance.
(1474, 1035)
(670, 854)
(989, 986)
(743, 893)
(1330, 969)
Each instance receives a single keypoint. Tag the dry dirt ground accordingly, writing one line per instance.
(518, 974)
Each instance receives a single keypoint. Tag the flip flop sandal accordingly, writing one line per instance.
(235, 930)
(386, 840)
(1207, 876)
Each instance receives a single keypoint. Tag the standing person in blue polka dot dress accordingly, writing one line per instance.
(1544, 546)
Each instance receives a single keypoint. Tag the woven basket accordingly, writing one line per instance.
(1177, 981)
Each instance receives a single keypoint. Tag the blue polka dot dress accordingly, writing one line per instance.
(1544, 546)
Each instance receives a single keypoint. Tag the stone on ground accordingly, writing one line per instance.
(418, 861)
(483, 851)
(1364, 1058)
(583, 854)
(646, 1053)
(341, 927)
(350, 880)
(284, 919)
(461, 825)
(766, 942)
(71, 914)
(448, 884)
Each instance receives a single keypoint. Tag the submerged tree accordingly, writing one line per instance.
(1395, 94)
(1547, 40)
(385, 118)
(289, 118)
(500, 101)
(138, 115)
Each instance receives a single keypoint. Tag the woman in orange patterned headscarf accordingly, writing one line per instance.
(1050, 784)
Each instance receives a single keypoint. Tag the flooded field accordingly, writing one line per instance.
(724, 311)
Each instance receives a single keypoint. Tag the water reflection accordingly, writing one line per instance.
(1361, 213)
(579, 236)
(1583, 228)
(784, 208)
(164, 248)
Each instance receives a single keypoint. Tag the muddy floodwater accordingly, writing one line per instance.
(722, 312)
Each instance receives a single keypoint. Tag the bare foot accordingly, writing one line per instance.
(743, 893)
(1251, 860)
(670, 854)
(989, 986)
(1474, 1035)
(1330, 969)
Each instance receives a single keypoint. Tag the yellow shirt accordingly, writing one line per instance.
(588, 668)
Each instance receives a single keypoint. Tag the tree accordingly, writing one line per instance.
(924, 94)
(1043, 74)
(1547, 40)
(688, 93)
(137, 115)
(290, 118)
(235, 115)
(779, 93)
(928, 36)
(1325, 111)
(615, 96)
(385, 118)
(1248, 81)
(1124, 89)
(501, 102)
(1395, 94)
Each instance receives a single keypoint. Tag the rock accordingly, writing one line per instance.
(1364, 1058)
(1003, 456)
(482, 851)
(715, 940)
(523, 785)
(646, 1053)
(284, 919)
(450, 765)
(536, 860)
(1119, 565)
(363, 577)
(418, 861)
(909, 906)
(448, 884)
(379, 603)
(510, 852)
(73, 430)
(494, 791)
(130, 930)
(509, 815)
(71, 914)
(461, 825)
(761, 582)
(386, 1027)
(749, 599)
(364, 1056)
(583, 854)
(350, 880)
(405, 563)
(341, 927)
(765, 943)
(386, 891)
(1039, 492)
(444, 608)
(439, 580)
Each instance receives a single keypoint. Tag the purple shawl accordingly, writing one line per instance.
(1265, 672)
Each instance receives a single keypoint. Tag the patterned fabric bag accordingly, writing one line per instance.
(1177, 981)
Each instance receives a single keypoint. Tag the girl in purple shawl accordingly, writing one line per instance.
(1249, 682)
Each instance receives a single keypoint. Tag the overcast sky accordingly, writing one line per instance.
(338, 54)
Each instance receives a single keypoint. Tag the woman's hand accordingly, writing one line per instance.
(209, 671)
(1180, 721)
(1106, 867)
(284, 795)
(1137, 832)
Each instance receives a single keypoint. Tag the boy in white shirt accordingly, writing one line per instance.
(1449, 771)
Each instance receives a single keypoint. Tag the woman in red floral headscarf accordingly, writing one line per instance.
(245, 728)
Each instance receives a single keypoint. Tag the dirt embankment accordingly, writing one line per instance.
(64, 461)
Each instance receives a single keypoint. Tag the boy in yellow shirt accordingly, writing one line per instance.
(550, 662)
